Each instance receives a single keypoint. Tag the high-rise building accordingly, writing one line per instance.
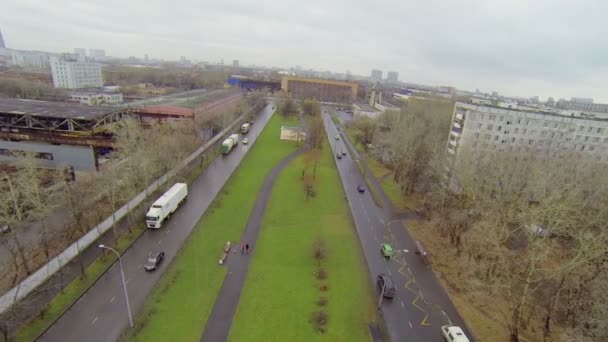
(80, 52)
(75, 72)
(235, 63)
(376, 75)
(392, 77)
(30, 59)
(2, 45)
(97, 54)
(494, 130)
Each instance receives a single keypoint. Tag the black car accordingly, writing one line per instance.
(153, 261)
(344, 153)
(360, 188)
(339, 155)
(385, 281)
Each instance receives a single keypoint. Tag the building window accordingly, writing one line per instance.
(546, 124)
(543, 133)
(580, 129)
(586, 139)
(492, 117)
(531, 141)
(496, 138)
(489, 127)
(486, 136)
(477, 135)
(596, 139)
(555, 125)
(591, 148)
(527, 122)
(479, 125)
(500, 118)
(577, 138)
(523, 131)
(599, 130)
(589, 129)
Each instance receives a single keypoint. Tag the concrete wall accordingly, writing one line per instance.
(82, 158)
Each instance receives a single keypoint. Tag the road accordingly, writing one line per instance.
(219, 322)
(100, 315)
(420, 306)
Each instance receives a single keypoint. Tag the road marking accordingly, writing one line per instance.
(372, 227)
(402, 305)
(411, 327)
(159, 241)
(127, 281)
(112, 299)
(94, 320)
(389, 272)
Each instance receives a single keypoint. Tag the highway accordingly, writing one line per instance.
(100, 315)
(420, 306)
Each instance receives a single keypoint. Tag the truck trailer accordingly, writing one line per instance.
(166, 204)
(229, 143)
(245, 128)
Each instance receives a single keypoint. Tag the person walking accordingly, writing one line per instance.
(242, 248)
(247, 248)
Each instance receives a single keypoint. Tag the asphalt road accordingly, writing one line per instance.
(420, 306)
(220, 320)
(100, 315)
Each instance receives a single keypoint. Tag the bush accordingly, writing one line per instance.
(321, 274)
(319, 320)
(322, 301)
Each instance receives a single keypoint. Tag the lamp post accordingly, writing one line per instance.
(124, 284)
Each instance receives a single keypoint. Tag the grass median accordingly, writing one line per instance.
(282, 290)
(181, 302)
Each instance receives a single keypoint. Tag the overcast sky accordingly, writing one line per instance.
(517, 47)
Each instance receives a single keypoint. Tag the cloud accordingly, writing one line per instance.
(518, 47)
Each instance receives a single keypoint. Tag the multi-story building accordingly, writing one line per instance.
(30, 59)
(320, 89)
(392, 77)
(80, 52)
(75, 73)
(492, 129)
(583, 105)
(97, 54)
(235, 63)
(376, 75)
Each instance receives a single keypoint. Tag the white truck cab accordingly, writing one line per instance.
(452, 333)
(165, 205)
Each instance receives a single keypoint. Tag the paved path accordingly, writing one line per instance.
(420, 305)
(100, 314)
(220, 320)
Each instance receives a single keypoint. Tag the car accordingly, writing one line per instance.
(5, 228)
(453, 333)
(337, 137)
(245, 141)
(386, 250)
(339, 155)
(344, 153)
(385, 282)
(360, 188)
(154, 260)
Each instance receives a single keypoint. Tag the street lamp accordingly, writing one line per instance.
(124, 285)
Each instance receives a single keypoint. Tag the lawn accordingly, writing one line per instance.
(181, 302)
(281, 290)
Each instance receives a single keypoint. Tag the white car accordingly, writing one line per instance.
(453, 333)
(245, 141)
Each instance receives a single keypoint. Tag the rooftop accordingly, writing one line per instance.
(581, 115)
(166, 110)
(53, 109)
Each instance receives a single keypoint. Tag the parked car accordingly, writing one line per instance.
(386, 250)
(153, 261)
(5, 228)
(453, 333)
(360, 188)
(245, 141)
(385, 281)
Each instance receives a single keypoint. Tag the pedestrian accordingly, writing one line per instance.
(247, 248)
(242, 248)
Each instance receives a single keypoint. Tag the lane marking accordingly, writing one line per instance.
(127, 281)
(159, 241)
(94, 320)
(112, 299)
(402, 305)
(411, 327)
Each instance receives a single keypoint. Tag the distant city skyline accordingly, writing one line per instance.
(518, 48)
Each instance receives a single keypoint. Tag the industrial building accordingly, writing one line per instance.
(64, 134)
(75, 72)
(501, 129)
(320, 89)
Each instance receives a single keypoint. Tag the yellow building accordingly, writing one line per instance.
(320, 89)
(149, 89)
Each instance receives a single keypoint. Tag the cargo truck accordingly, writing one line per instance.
(166, 204)
(229, 143)
(245, 128)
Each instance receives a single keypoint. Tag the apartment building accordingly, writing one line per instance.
(72, 72)
(492, 129)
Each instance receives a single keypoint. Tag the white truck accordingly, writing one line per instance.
(229, 143)
(245, 128)
(163, 207)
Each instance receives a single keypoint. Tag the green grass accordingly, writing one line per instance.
(181, 302)
(58, 305)
(281, 291)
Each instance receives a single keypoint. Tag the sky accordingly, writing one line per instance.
(519, 48)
